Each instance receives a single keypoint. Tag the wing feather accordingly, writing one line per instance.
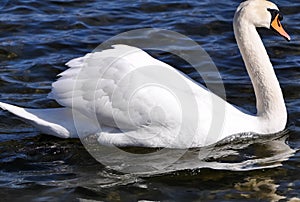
(113, 86)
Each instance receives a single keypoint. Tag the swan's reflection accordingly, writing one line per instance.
(237, 153)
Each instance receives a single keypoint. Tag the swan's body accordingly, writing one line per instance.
(99, 94)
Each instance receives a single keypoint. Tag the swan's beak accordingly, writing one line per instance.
(276, 25)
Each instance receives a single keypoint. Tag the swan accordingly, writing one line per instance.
(150, 116)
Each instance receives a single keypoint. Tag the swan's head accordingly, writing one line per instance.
(261, 13)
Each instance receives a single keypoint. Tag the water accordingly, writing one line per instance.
(38, 37)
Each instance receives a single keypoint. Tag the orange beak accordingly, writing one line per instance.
(276, 25)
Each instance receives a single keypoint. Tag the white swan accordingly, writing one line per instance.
(150, 116)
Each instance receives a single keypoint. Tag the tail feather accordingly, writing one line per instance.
(55, 121)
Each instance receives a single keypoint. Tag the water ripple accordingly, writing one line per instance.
(38, 37)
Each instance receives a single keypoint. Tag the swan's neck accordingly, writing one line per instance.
(269, 99)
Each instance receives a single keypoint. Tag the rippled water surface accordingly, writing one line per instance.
(38, 37)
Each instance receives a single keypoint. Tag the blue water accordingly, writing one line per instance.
(38, 37)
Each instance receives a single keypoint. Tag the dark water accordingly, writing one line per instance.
(38, 37)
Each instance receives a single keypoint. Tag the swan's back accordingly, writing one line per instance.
(109, 84)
